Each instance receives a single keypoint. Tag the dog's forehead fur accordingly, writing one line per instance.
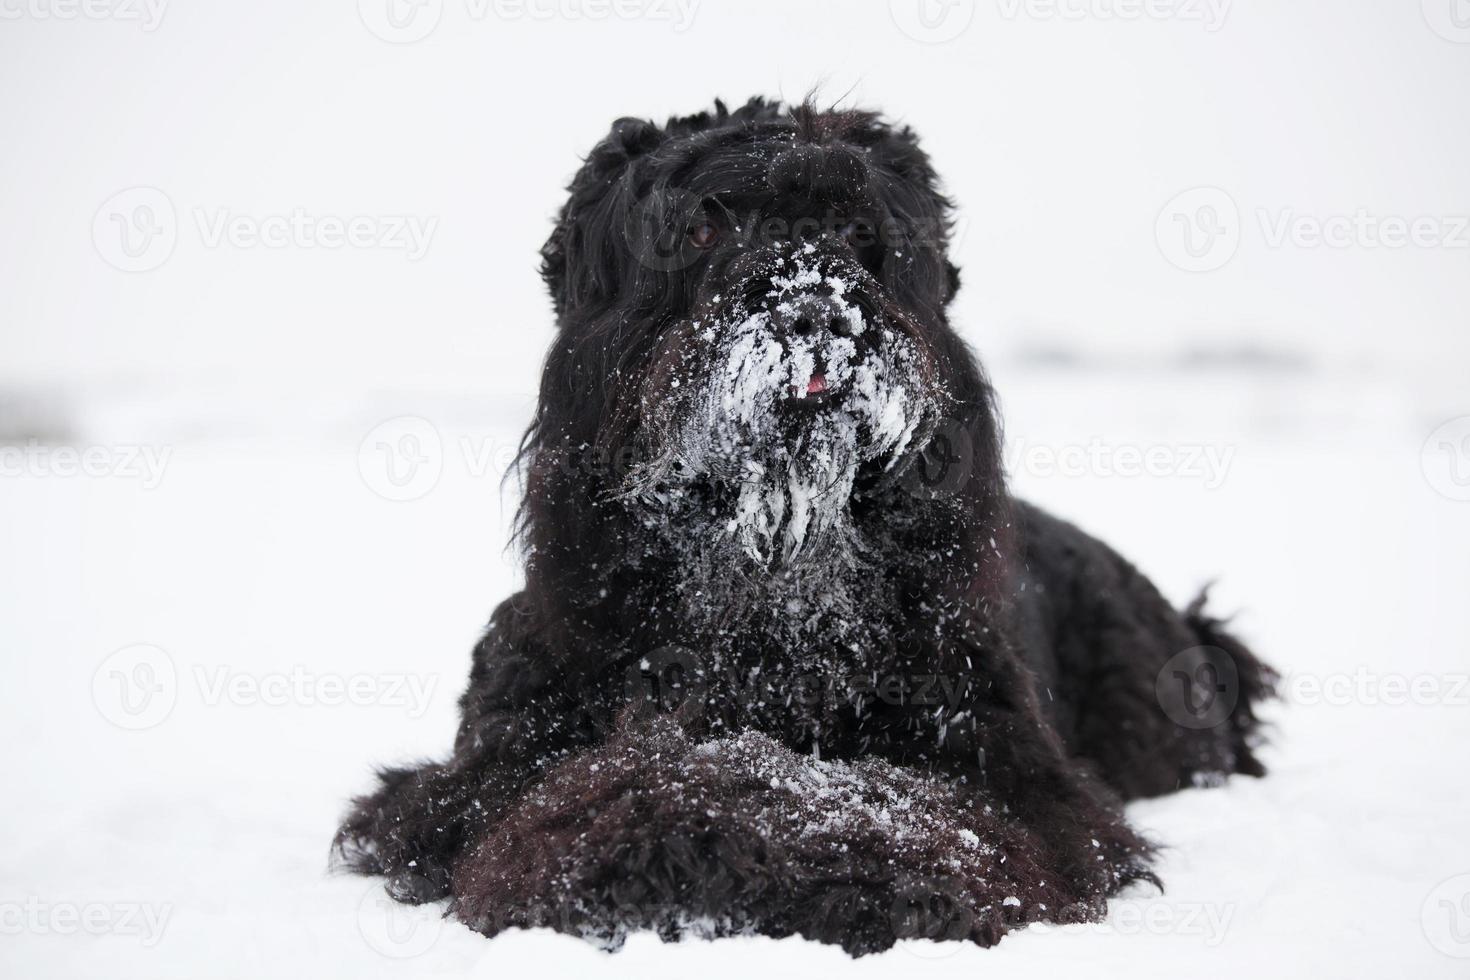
(759, 160)
(832, 163)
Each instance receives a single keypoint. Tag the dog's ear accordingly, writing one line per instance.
(577, 261)
(912, 193)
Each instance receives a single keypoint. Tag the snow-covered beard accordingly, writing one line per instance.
(758, 441)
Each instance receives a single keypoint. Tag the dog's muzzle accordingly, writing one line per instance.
(814, 321)
(815, 316)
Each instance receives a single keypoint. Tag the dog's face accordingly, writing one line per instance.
(765, 290)
(792, 384)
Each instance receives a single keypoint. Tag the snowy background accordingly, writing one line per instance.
(269, 328)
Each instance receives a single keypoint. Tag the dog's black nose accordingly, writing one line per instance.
(811, 315)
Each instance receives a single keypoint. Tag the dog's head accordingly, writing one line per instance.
(751, 315)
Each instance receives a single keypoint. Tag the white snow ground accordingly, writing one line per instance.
(268, 569)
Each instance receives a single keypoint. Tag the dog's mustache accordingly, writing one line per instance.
(773, 469)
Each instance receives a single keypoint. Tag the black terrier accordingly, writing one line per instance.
(789, 658)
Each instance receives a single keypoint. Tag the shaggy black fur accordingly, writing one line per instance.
(764, 492)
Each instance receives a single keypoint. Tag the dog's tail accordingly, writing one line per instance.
(1255, 682)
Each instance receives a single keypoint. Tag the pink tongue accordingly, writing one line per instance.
(817, 384)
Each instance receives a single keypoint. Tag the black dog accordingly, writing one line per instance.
(764, 490)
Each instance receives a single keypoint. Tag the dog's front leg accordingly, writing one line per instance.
(993, 740)
(518, 716)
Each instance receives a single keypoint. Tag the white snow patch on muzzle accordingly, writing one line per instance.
(754, 425)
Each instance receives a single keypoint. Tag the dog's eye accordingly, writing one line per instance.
(861, 235)
(704, 234)
(857, 233)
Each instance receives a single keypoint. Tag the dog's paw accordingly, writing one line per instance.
(413, 888)
(409, 830)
